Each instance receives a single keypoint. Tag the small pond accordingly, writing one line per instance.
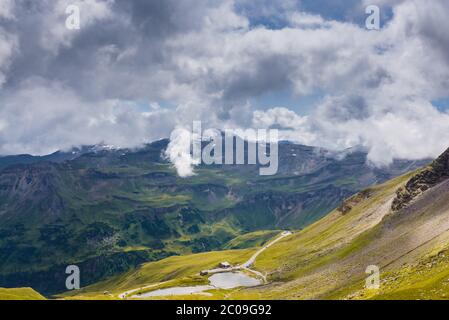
(231, 280)
(227, 280)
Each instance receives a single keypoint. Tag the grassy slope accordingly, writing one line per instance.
(20, 294)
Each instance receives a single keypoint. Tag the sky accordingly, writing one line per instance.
(136, 70)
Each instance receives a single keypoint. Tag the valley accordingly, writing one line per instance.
(328, 259)
(109, 211)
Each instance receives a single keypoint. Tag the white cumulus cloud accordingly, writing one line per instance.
(178, 152)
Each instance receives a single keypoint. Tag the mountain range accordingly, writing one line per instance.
(109, 210)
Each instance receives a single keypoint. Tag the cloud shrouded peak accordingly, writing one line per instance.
(214, 61)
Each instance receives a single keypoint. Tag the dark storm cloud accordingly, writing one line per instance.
(264, 75)
(143, 25)
(129, 53)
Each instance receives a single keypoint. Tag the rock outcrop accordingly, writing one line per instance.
(348, 204)
(435, 173)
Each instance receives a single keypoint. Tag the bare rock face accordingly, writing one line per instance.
(27, 187)
(435, 173)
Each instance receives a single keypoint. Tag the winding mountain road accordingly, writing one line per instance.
(250, 262)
